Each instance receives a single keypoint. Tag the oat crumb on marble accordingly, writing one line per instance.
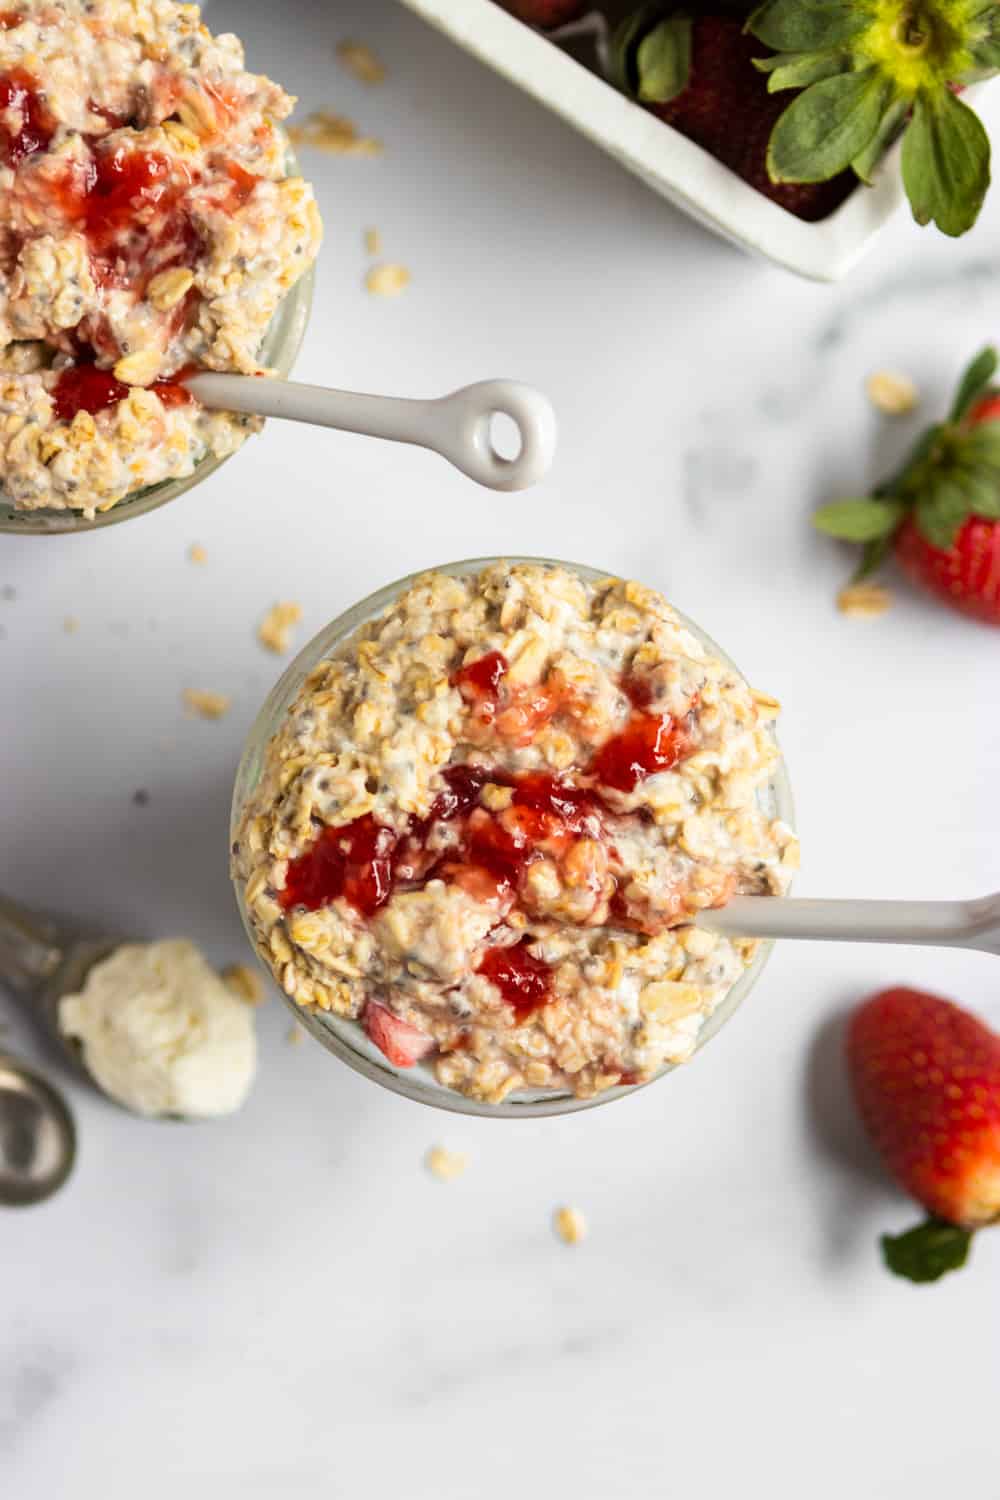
(71, 625)
(864, 601)
(360, 61)
(295, 1035)
(326, 131)
(275, 630)
(892, 393)
(207, 705)
(445, 1165)
(244, 982)
(373, 242)
(197, 553)
(387, 280)
(570, 1225)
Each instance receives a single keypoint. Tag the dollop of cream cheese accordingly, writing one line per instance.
(161, 1033)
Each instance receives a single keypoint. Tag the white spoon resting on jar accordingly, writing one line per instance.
(459, 427)
(928, 924)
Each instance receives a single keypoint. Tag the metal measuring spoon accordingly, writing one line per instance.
(37, 1136)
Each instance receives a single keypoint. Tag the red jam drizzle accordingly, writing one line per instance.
(542, 810)
(84, 387)
(525, 982)
(9, 19)
(648, 743)
(132, 207)
(480, 683)
(19, 91)
(355, 862)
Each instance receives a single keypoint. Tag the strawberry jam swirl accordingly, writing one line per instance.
(487, 823)
(148, 228)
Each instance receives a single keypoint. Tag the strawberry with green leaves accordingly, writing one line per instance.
(940, 514)
(872, 70)
(699, 74)
(926, 1078)
(864, 72)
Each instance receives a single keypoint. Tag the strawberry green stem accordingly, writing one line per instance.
(928, 1251)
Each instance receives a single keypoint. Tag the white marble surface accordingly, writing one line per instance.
(286, 1304)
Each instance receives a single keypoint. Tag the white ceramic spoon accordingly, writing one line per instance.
(459, 426)
(929, 924)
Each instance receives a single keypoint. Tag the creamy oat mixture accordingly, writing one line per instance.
(487, 821)
(146, 227)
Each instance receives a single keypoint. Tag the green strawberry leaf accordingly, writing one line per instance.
(981, 446)
(974, 383)
(804, 26)
(982, 490)
(859, 520)
(941, 510)
(908, 479)
(625, 44)
(946, 162)
(796, 70)
(663, 60)
(873, 555)
(892, 123)
(927, 1252)
(827, 126)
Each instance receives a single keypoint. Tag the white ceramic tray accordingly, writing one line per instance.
(671, 164)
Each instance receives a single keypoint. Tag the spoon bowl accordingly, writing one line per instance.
(37, 1137)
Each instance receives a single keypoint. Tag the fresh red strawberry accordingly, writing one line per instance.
(402, 1043)
(545, 13)
(965, 575)
(941, 513)
(926, 1077)
(698, 75)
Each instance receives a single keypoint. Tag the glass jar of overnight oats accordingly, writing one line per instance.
(474, 872)
(153, 224)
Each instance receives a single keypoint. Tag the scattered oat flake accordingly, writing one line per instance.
(864, 601)
(334, 133)
(570, 1225)
(207, 705)
(445, 1165)
(767, 707)
(361, 62)
(387, 280)
(197, 553)
(373, 242)
(275, 630)
(244, 982)
(892, 393)
(295, 1035)
(71, 625)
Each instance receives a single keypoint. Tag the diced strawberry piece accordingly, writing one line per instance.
(402, 1043)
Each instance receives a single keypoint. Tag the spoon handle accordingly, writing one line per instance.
(29, 948)
(932, 924)
(458, 427)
